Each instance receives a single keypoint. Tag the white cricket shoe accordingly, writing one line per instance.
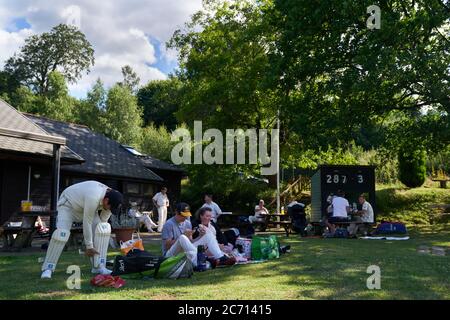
(46, 274)
(101, 270)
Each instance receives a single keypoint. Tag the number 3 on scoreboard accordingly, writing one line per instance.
(360, 178)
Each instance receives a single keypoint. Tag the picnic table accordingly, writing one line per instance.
(24, 230)
(442, 182)
(276, 220)
(241, 222)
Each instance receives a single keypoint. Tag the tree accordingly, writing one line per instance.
(23, 99)
(223, 64)
(91, 111)
(64, 49)
(130, 79)
(339, 76)
(123, 117)
(160, 99)
(333, 80)
(156, 141)
(412, 166)
(57, 103)
(8, 85)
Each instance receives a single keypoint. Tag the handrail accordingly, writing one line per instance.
(287, 189)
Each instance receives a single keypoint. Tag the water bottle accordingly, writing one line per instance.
(201, 259)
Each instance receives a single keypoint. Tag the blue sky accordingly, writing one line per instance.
(17, 24)
(122, 32)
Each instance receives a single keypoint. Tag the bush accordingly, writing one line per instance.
(412, 167)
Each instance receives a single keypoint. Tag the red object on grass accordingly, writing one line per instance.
(101, 280)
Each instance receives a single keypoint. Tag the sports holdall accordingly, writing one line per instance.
(265, 248)
(391, 228)
(341, 233)
(136, 262)
(175, 267)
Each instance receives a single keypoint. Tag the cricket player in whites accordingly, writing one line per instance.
(92, 203)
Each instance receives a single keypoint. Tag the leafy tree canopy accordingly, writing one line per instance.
(64, 49)
(160, 100)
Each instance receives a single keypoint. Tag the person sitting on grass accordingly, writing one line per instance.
(260, 211)
(177, 237)
(365, 215)
(204, 221)
(341, 208)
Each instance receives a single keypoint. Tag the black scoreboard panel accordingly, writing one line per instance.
(353, 180)
(347, 178)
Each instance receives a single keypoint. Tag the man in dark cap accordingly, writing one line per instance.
(91, 203)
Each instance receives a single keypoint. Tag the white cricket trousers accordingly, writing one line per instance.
(183, 244)
(66, 217)
(162, 217)
(145, 219)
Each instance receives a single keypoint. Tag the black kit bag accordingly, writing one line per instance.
(136, 261)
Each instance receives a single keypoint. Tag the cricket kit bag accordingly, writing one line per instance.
(175, 267)
(265, 248)
(341, 233)
(391, 228)
(136, 262)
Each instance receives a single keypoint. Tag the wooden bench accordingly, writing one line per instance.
(344, 224)
(233, 221)
(284, 222)
(24, 233)
(319, 227)
(23, 239)
(287, 226)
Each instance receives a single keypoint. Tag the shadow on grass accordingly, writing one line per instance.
(315, 269)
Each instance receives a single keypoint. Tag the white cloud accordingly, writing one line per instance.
(119, 31)
(10, 41)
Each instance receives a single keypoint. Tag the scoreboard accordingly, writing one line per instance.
(353, 180)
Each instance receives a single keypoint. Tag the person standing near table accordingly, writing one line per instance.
(161, 202)
(92, 203)
(215, 209)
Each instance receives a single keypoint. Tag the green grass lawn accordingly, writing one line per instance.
(315, 269)
(412, 206)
